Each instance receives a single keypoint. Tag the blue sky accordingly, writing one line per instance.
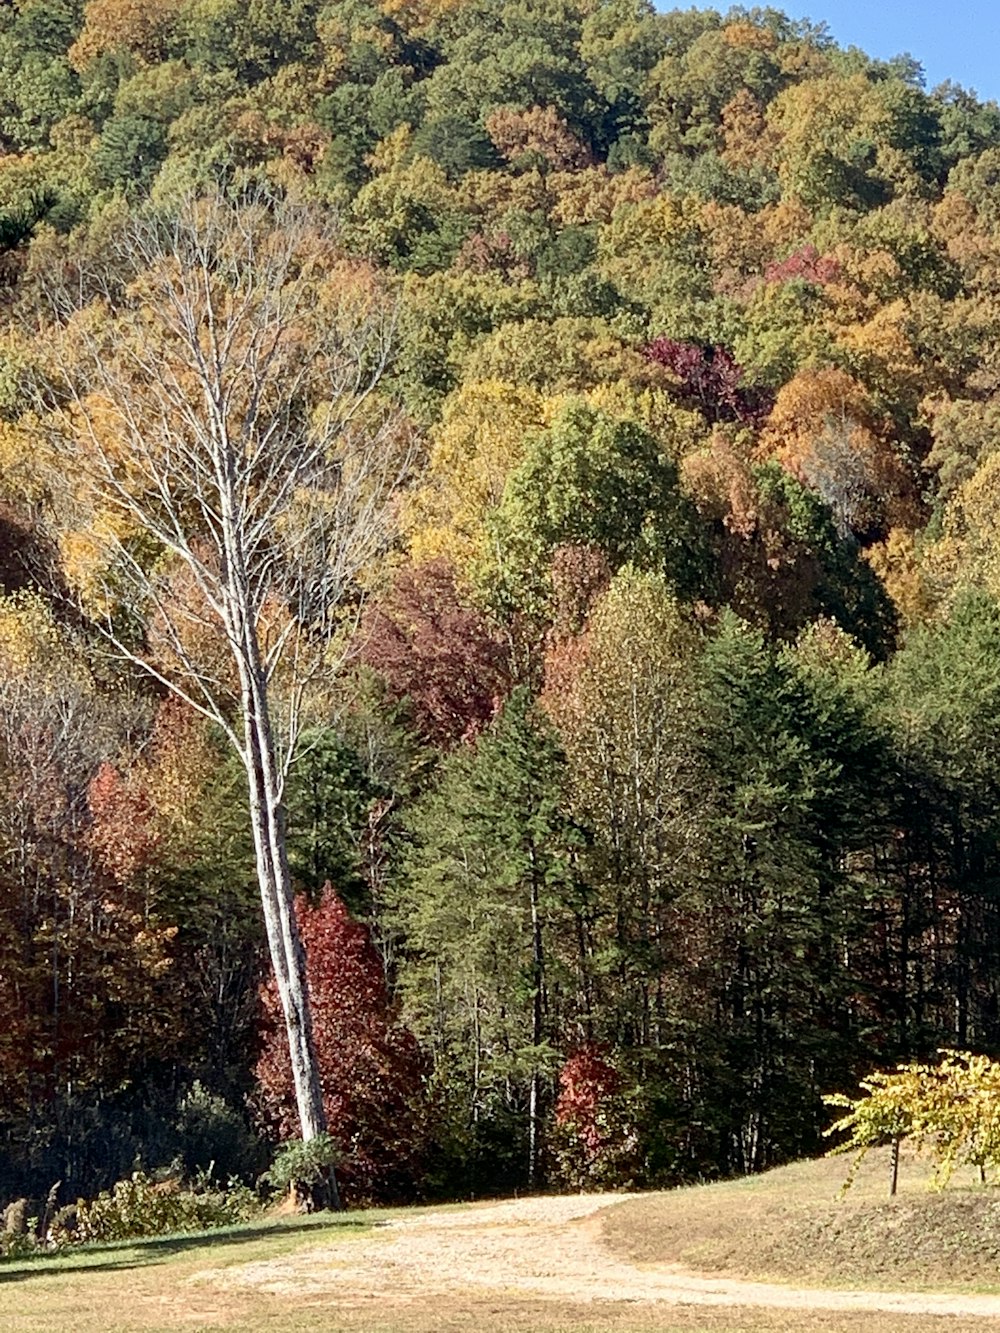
(959, 40)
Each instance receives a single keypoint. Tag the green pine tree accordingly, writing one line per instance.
(482, 898)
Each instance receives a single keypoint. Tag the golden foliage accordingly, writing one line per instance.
(900, 564)
(473, 449)
(821, 125)
(183, 629)
(488, 194)
(747, 140)
(136, 26)
(738, 244)
(969, 549)
(539, 131)
(746, 36)
(419, 14)
(181, 763)
(806, 403)
(951, 1108)
(825, 430)
(30, 640)
(881, 353)
(719, 479)
(593, 194)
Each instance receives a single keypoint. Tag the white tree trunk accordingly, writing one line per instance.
(267, 818)
(187, 426)
(268, 822)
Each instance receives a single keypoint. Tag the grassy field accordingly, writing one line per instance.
(147, 1284)
(792, 1225)
(786, 1226)
(153, 1285)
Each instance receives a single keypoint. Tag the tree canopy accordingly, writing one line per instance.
(604, 402)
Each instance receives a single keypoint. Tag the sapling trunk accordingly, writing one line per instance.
(894, 1168)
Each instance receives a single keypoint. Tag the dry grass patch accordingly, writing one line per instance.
(526, 1317)
(144, 1285)
(791, 1226)
(160, 1309)
(530, 1266)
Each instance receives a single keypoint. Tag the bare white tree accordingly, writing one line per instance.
(837, 466)
(209, 404)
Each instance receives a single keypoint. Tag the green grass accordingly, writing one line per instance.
(267, 1237)
(143, 1284)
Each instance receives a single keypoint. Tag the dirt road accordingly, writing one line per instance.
(540, 1248)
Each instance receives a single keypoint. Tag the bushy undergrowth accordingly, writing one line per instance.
(140, 1206)
(134, 1209)
(17, 1244)
(302, 1165)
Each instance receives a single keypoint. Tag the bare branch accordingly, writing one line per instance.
(209, 402)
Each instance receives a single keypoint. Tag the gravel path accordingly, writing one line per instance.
(540, 1248)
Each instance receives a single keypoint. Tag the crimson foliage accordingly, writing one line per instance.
(370, 1065)
(586, 1081)
(805, 264)
(594, 1141)
(438, 652)
(122, 833)
(711, 379)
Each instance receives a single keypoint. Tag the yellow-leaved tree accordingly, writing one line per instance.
(951, 1108)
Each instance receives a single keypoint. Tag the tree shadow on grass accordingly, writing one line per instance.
(125, 1254)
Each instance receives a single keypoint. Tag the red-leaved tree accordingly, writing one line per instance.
(594, 1142)
(437, 651)
(710, 379)
(804, 265)
(371, 1068)
(123, 834)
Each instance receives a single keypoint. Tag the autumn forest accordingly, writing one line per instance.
(499, 588)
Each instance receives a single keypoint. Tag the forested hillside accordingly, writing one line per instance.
(647, 772)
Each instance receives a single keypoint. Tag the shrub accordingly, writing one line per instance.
(212, 1135)
(594, 1143)
(15, 1217)
(300, 1167)
(17, 1244)
(140, 1207)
